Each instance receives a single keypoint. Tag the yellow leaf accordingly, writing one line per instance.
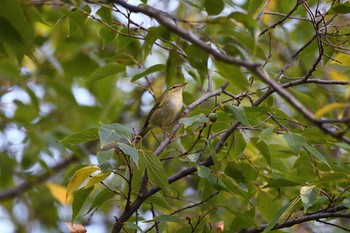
(337, 75)
(343, 58)
(79, 177)
(96, 179)
(330, 107)
(59, 192)
(271, 6)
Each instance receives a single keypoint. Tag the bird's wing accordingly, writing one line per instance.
(157, 104)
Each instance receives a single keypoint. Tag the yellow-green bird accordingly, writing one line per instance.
(165, 110)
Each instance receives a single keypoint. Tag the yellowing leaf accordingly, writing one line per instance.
(337, 75)
(96, 179)
(343, 58)
(59, 193)
(330, 107)
(79, 177)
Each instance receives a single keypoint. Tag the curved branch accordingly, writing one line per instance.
(281, 20)
(330, 213)
(165, 20)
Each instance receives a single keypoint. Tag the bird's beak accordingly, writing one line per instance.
(184, 84)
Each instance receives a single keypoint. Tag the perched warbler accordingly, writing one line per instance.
(165, 109)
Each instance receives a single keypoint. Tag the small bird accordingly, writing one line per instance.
(165, 109)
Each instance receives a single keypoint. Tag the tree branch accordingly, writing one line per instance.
(331, 213)
(163, 19)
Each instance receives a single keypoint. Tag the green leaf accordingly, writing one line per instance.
(295, 142)
(255, 7)
(109, 133)
(150, 70)
(105, 14)
(308, 196)
(166, 218)
(265, 133)
(241, 172)
(151, 37)
(158, 199)
(263, 148)
(233, 74)
(317, 154)
(279, 183)
(106, 71)
(245, 19)
(237, 113)
(217, 183)
(203, 172)
(214, 7)
(257, 114)
(85, 135)
(76, 21)
(155, 170)
(104, 157)
(268, 204)
(243, 219)
(239, 144)
(14, 13)
(233, 187)
(79, 199)
(341, 8)
(134, 154)
(107, 35)
(282, 214)
(133, 226)
(308, 100)
(102, 197)
(188, 121)
(346, 202)
(198, 59)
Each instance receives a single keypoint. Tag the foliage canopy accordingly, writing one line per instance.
(262, 143)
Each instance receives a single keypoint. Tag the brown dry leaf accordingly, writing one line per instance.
(75, 228)
(217, 226)
(220, 226)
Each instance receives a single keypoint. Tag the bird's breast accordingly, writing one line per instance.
(166, 114)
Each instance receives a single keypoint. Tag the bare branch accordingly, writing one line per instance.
(283, 19)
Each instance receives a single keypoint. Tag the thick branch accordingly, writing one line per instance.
(164, 19)
(298, 106)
